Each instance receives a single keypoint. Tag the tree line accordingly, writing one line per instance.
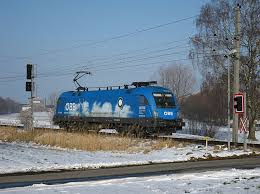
(8, 105)
(212, 52)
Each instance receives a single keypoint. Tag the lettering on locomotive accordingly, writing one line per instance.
(166, 113)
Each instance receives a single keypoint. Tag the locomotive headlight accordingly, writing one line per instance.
(155, 114)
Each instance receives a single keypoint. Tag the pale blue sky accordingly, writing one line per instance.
(58, 36)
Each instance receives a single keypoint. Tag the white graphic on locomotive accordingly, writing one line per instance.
(98, 110)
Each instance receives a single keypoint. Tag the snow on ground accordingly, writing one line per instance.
(221, 133)
(224, 133)
(224, 181)
(10, 119)
(22, 157)
(189, 136)
(19, 157)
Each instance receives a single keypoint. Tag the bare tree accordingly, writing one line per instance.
(179, 78)
(209, 105)
(216, 38)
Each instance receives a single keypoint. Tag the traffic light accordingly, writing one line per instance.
(29, 71)
(28, 86)
(239, 103)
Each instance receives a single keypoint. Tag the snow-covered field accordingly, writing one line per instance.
(225, 181)
(22, 157)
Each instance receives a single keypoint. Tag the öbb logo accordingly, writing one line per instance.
(168, 113)
(70, 107)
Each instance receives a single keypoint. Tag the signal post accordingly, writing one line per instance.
(236, 74)
(30, 85)
(240, 111)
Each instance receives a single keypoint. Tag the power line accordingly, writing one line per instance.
(105, 62)
(119, 67)
(120, 60)
(111, 57)
(135, 58)
(108, 39)
(68, 72)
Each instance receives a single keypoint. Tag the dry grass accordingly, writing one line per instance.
(84, 141)
(11, 134)
(81, 141)
(167, 143)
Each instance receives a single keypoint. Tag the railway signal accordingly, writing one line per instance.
(239, 104)
(30, 76)
(29, 72)
(28, 86)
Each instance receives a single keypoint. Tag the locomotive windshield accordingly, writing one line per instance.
(164, 100)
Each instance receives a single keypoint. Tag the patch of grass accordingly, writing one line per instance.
(219, 148)
(167, 143)
(84, 141)
(75, 140)
(10, 134)
(254, 149)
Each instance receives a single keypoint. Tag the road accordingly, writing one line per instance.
(27, 179)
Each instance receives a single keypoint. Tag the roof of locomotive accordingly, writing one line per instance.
(136, 90)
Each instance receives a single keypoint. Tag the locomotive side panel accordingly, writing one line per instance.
(98, 104)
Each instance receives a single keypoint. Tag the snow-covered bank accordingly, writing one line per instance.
(21, 157)
(225, 181)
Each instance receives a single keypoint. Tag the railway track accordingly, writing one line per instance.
(201, 141)
(211, 142)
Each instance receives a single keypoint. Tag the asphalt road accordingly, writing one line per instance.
(27, 179)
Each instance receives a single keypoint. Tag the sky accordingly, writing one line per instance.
(119, 41)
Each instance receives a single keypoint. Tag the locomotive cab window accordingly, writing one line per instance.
(143, 101)
(164, 100)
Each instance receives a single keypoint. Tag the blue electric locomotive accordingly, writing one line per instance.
(140, 109)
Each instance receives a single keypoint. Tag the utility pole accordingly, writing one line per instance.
(32, 96)
(245, 119)
(236, 73)
(229, 136)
